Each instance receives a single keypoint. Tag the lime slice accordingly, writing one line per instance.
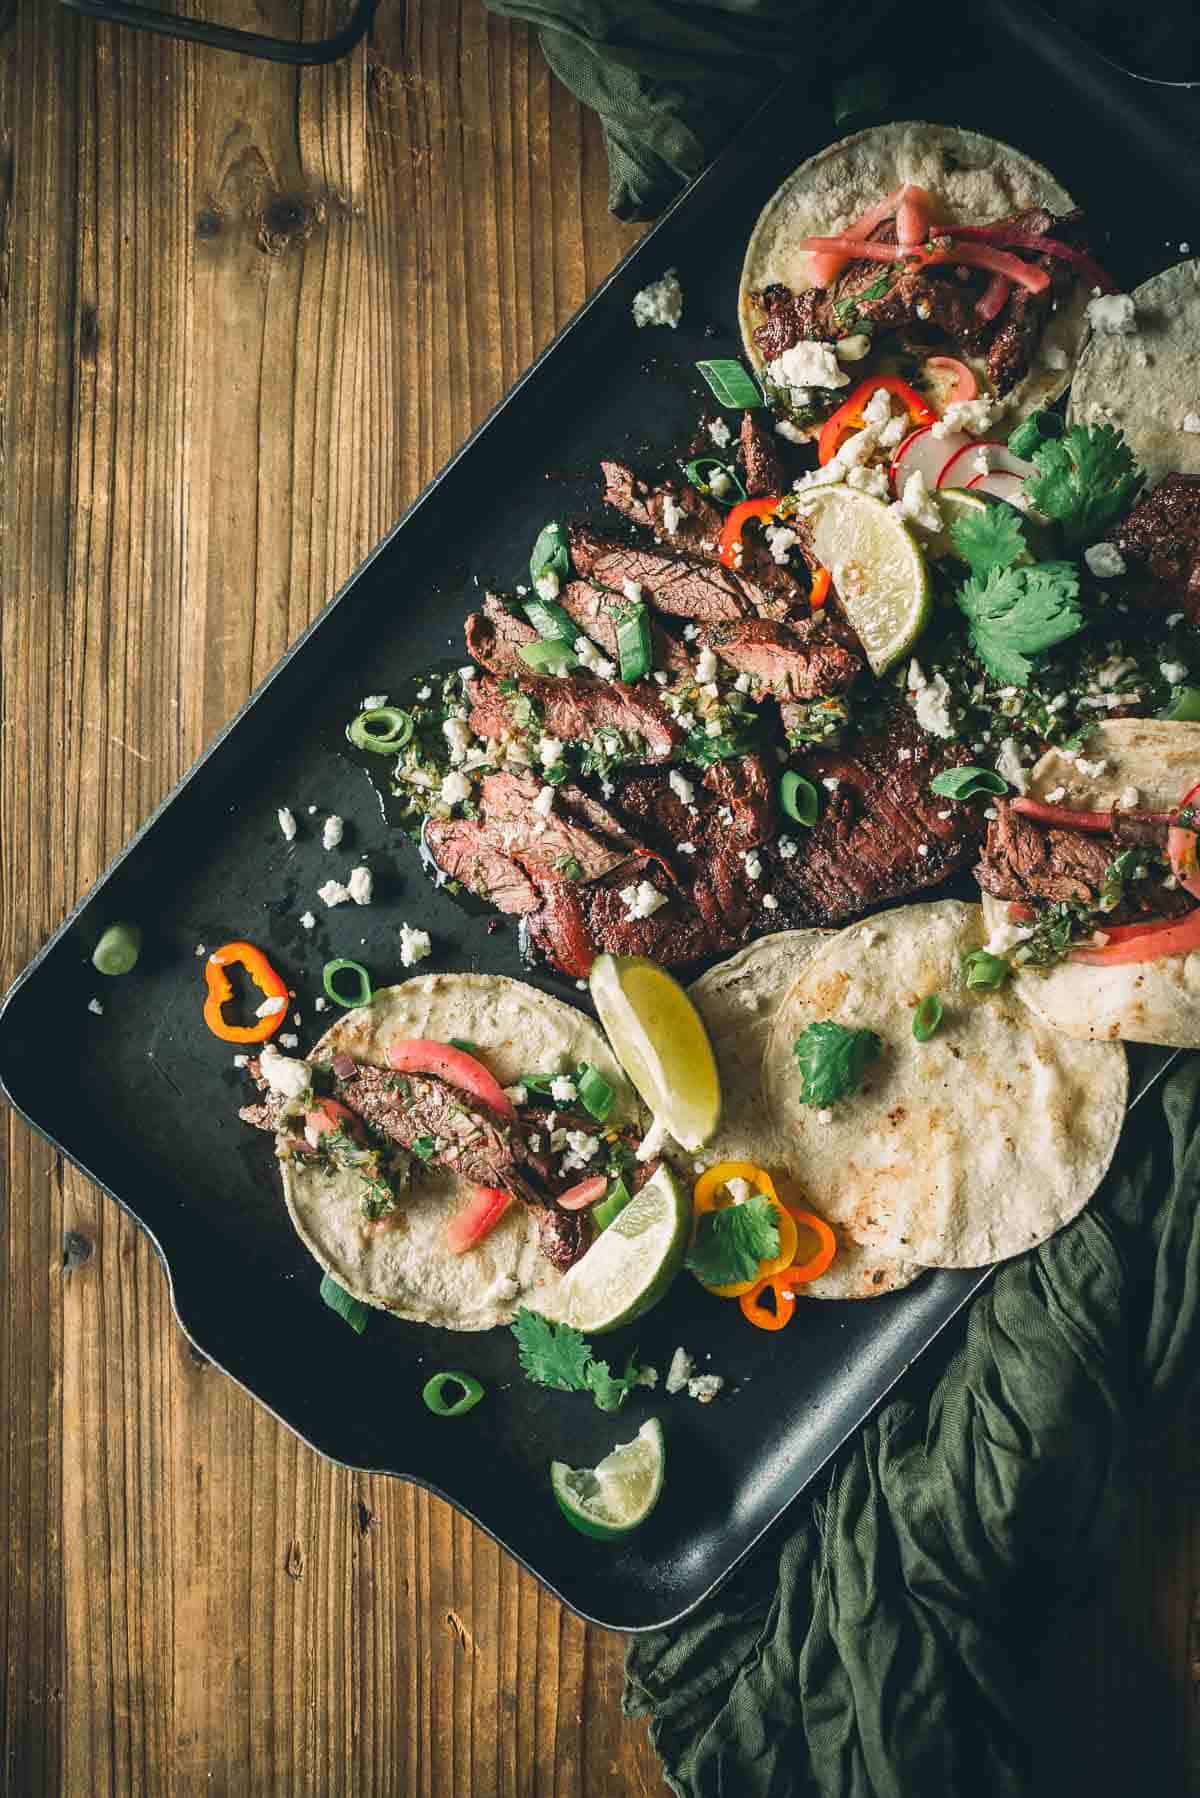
(877, 568)
(612, 1498)
(661, 1043)
(630, 1265)
(953, 503)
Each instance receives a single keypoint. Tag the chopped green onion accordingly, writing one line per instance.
(118, 949)
(434, 1394)
(547, 658)
(729, 383)
(353, 1310)
(927, 1017)
(633, 641)
(982, 969)
(550, 621)
(537, 1083)
(964, 783)
(330, 973)
(1184, 707)
(612, 1204)
(798, 797)
(424, 1148)
(595, 1093)
(465, 1044)
(551, 553)
(695, 474)
(385, 729)
(1034, 430)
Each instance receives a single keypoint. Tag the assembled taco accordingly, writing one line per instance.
(1091, 889)
(961, 1142)
(388, 1153)
(855, 270)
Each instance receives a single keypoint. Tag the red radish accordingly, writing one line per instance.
(586, 1193)
(825, 266)
(913, 213)
(994, 297)
(1001, 457)
(998, 262)
(922, 451)
(998, 482)
(477, 1219)
(421, 1055)
(965, 385)
(329, 1115)
(960, 469)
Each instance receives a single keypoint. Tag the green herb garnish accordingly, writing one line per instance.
(557, 1355)
(596, 1095)
(569, 866)
(927, 1017)
(702, 481)
(1033, 431)
(424, 1148)
(1085, 480)
(731, 1242)
(352, 1310)
(1016, 613)
(634, 647)
(989, 539)
(547, 656)
(1184, 707)
(1058, 929)
(965, 783)
(550, 621)
(833, 1059)
(730, 385)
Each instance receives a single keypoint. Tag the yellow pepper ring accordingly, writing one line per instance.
(705, 1198)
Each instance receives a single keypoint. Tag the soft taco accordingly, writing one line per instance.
(855, 270)
(970, 1142)
(387, 1152)
(738, 1001)
(1091, 888)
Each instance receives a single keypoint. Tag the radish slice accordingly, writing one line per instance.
(477, 1219)
(999, 482)
(960, 469)
(328, 1116)
(586, 1193)
(1001, 457)
(421, 1055)
(922, 451)
(965, 385)
(913, 213)
(825, 265)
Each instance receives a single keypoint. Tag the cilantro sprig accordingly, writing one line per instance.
(730, 1243)
(1016, 613)
(557, 1355)
(833, 1059)
(1085, 480)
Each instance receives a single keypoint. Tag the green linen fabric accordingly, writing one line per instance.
(876, 1649)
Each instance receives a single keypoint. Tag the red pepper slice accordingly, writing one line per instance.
(849, 415)
(818, 593)
(1180, 936)
(731, 531)
(220, 991)
(477, 1219)
(1181, 849)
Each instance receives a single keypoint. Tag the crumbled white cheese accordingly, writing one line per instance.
(458, 735)
(781, 541)
(825, 1115)
(414, 945)
(869, 480)
(1114, 669)
(547, 585)
(785, 428)
(719, 483)
(549, 751)
(96, 1008)
(455, 787)
(1092, 770)
(1128, 798)
(770, 902)
(720, 433)
(787, 847)
(853, 349)
(1113, 314)
(321, 1004)
(271, 1008)
(691, 632)
(808, 364)
(931, 701)
(713, 728)
(563, 1090)
(672, 514)
(1174, 618)
(1191, 423)
(583, 1148)
(878, 409)
(894, 431)
(642, 900)
(661, 303)
(917, 505)
(373, 701)
(742, 683)
(922, 848)
(683, 788)
(287, 822)
(632, 591)
(200, 950)
(591, 658)
(752, 865)
(1056, 795)
(830, 782)
(544, 803)
(1105, 561)
(289, 1040)
(706, 666)
(307, 921)
(974, 417)
(282, 1074)
(240, 1061)
(686, 848)
(981, 462)
(858, 448)
(680, 1371)
(1008, 764)
(705, 1387)
(1006, 936)
(331, 833)
(646, 1376)
(425, 692)
(1174, 673)
(360, 885)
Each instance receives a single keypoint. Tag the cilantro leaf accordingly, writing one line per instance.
(1016, 613)
(989, 539)
(833, 1060)
(1085, 480)
(730, 1243)
(551, 1354)
(611, 1390)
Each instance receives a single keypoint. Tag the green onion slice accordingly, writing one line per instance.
(465, 1044)
(729, 383)
(985, 970)
(550, 621)
(333, 970)
(551, 553)
(385, 729)
(595, 1093)
(696, 474)
(547, 658)
(612, 1205)
(964, 783)
(798, 797)
(633, 641)
(1034, 430)
(927, 1017)
(424, 1148)
(118, 949)
(438, 1394)
(1185, 706)
(353, 1310)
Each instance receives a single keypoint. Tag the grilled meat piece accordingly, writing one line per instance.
(576, 923)
(1160, 541)
(495, 637)
(802, 660)
(563, 1236)
(626, 493)
(596, 612)
(544, 846)
(468, 850)
(408, 1108)
(1022, 319)
(867, 844)
(680, 588)
(762, 469)
(265, 1115)
(790, 318)
(1028, 862)
(576, 709)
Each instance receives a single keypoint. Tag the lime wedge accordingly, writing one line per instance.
(630, 1265)
(953, 503)
(877, 568)
(661, 1043)
(612, 1498)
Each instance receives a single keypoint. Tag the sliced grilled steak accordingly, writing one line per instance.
(1160, 541)
(495, 636)
(1023, 318)
(546, 846)
(867, 845)
(596, 611)
(790, 318)
(1024, 861)
(472, 851)
(626, 493)
(563, 1236)
(576, 709)
(679, 588)
(475, 1144)
(762, 468)
(576, 923)
(799, 661)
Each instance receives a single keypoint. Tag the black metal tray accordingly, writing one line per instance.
(143, 1098)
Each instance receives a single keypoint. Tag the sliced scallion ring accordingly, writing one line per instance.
(351, 1309)
(547, 658)
(434, 1393)
(927, 1017)
(965, 783)
(634, 651)
(728, 495)
(332, 972)
(595, 1093)
(986, 970)
(798, 797)
(550, 621)
(385, 729)
(729, 384)
(1184, 707)
(118, 949)
(612, 1205)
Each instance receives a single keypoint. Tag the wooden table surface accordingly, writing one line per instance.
(246, 314)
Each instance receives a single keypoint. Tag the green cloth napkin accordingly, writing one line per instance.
(671, 81)
(877, 1648)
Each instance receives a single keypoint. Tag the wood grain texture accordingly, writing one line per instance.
(245, 315)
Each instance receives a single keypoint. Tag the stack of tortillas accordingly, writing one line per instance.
(954, 1152)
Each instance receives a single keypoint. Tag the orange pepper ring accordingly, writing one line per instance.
(704, 1198)
(789, 1278)
(816, 1265)
(220, 991)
